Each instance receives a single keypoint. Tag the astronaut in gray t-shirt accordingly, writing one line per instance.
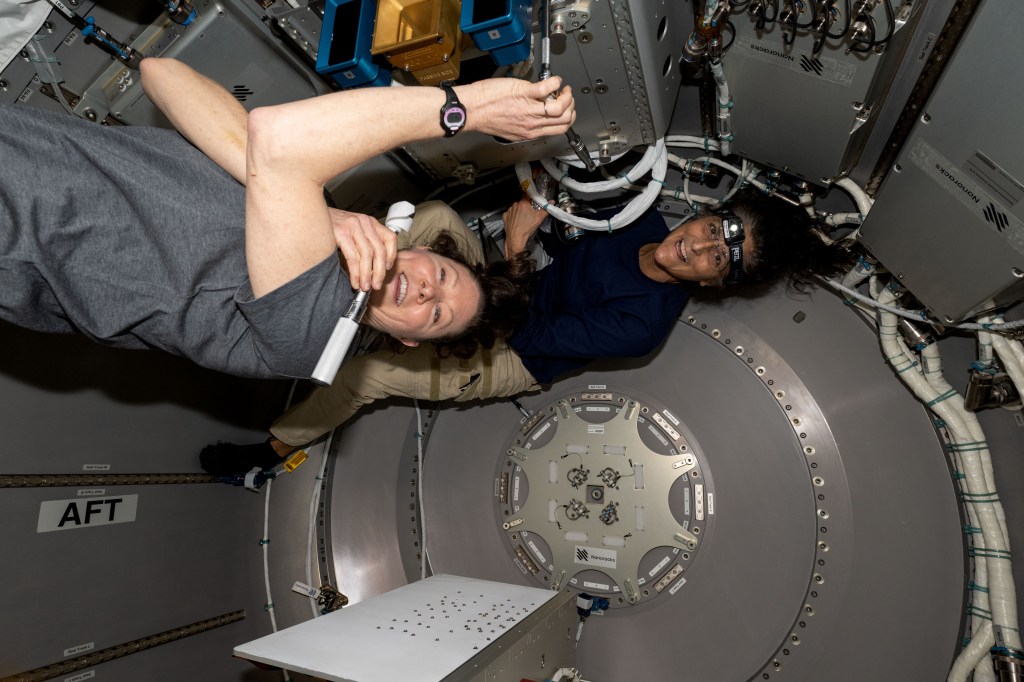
(229, 255)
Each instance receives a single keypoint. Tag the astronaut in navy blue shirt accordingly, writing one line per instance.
(613, 294)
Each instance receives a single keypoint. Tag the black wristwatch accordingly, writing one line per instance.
(453, 113)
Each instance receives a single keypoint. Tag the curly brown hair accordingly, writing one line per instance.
(504, 288)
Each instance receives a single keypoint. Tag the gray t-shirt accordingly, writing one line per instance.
(134, 238)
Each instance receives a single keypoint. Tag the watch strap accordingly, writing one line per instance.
(453, 113)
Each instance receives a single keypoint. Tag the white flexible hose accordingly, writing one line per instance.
(1010, 352)
(633, 210)
(977, 492)
(857, 274)
(985, 597)
(705, 143)
(638, 171)
(981, 627)
(975, 435)
(724, 105)
(314, 505)
(266, 568)
(977, 652)
(860, 197)
(921, 315)
(1012, 365)
(973, 654)
(837, 219)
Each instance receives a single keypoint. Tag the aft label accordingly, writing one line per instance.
(80, 513)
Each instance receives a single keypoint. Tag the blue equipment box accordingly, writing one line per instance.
(345, 40)
(501, 27)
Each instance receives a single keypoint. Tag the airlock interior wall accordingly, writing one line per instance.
(761, 567)
(621, 61)
(810, 113)
(949, 220)
(189, 553)
(227, 42)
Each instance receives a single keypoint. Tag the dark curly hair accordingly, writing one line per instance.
(504, 286)
(786, 242)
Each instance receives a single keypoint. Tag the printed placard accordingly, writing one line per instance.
(86, 513)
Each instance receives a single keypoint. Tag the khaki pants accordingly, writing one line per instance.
(415, 373)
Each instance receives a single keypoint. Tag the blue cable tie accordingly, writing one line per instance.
(264, 541)
(908, 368)
(268, 607)
(660, 182)
(706, 147)
(945, 396)
(609, 221)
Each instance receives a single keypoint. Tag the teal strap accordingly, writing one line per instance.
(945, 396)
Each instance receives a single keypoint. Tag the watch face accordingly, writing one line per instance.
(454, 117)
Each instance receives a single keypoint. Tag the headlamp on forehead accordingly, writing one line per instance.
(733, 235)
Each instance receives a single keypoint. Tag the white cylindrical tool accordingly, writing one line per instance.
(399, 219)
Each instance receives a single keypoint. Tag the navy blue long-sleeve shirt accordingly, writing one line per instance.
(594, 302)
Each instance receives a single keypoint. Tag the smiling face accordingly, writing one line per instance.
(425, 296)
(696, 251)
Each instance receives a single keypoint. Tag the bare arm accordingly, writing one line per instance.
(521, 222)
(216, 123)
(204, 112)
(295, 148)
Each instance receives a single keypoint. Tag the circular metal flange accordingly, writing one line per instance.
(830, 501)
(603, 493)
